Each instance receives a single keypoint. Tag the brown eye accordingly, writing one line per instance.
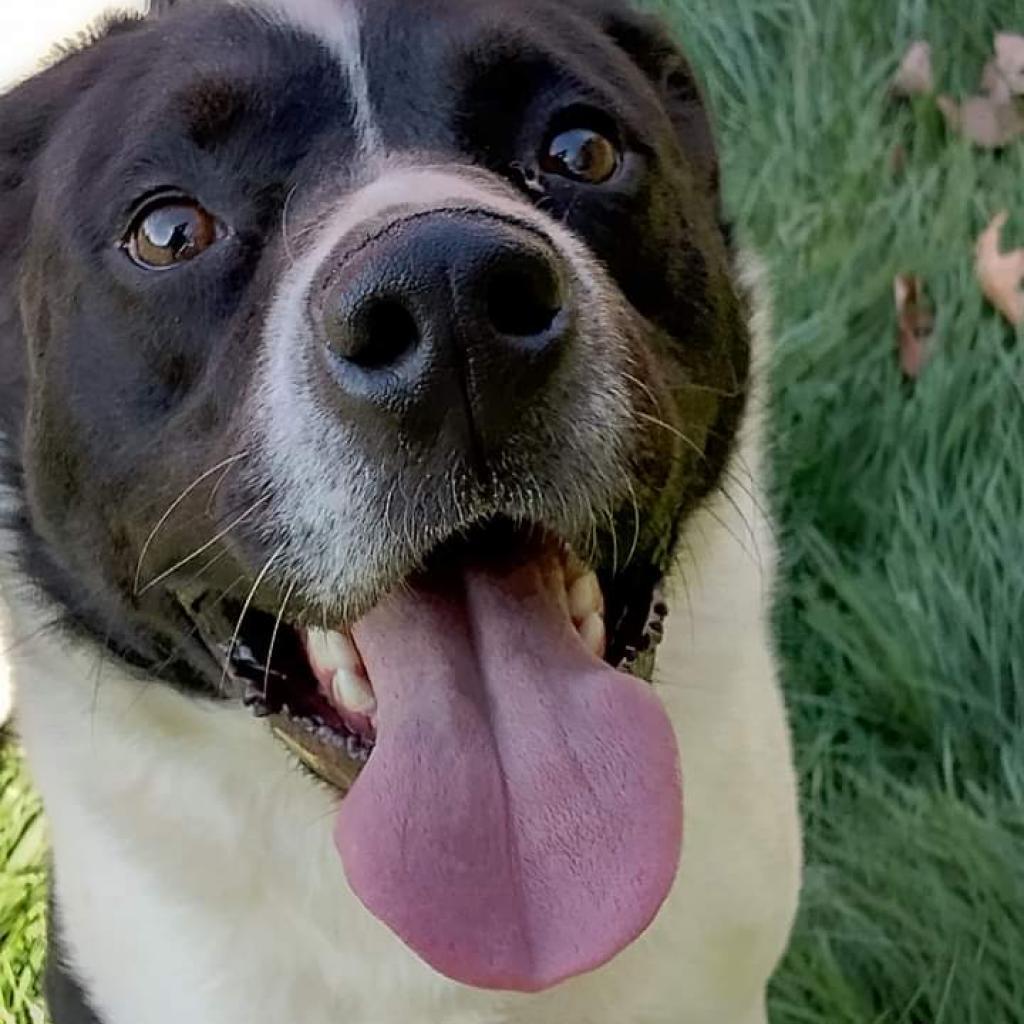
(583, 155)
(172, 231)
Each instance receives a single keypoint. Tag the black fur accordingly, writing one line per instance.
(127, 372)
(121, 386)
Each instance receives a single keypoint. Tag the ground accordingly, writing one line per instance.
(901, 508)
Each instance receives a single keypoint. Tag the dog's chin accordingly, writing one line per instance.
(304, 673)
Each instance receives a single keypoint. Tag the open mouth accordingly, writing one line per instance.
(513, 807)
(312, 685)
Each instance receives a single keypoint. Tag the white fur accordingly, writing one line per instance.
(336, 24)
(198, 880)
(331, 507)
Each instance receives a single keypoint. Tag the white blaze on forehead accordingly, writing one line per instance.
(424, 187)
(336, 24)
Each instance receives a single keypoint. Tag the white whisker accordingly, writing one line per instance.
(273, 637)
(674, 431)
(267, 566)
(636, 520)
(225, 465)
(655, 404)
(284, 224)
(237, 521)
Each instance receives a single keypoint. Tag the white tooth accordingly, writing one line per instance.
(574, 568)
(330, 651)
(585, 598)
(593, 634)
(352, 692)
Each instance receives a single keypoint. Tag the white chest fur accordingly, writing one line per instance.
(198, 880)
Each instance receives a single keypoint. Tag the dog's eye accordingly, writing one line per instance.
(581, 154)
(170, 231)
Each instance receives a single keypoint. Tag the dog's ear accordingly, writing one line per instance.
(29, 114)
(648, 41)
(30, 111)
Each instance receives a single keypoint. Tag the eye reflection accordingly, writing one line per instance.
(172, 231)
(581, 154)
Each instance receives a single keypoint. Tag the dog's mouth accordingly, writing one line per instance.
(311, 683)
(513, 806)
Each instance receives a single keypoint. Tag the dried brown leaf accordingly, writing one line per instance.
(915, 76)
(983, 121)
(1010, 61)
(994, 83)
(950, 111)
(898, 160)
(1001, 274)
(916, 324)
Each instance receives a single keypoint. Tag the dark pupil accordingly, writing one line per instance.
(584, 154)
(171, 234)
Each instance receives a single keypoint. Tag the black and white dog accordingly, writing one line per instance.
(376, 373)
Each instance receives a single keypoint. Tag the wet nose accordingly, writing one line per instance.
(447, 321)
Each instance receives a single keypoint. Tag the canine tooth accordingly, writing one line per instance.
(330, 651)
(592, 632)
(573, 567)
(585, 598)
(352, 692)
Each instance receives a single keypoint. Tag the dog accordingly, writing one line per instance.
(386, 555)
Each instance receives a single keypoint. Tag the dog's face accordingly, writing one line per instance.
(347, 341)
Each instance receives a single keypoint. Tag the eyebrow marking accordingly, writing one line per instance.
(336, 24)
(212, 109)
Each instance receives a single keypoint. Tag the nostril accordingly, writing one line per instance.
(383, 333)
(523, 301)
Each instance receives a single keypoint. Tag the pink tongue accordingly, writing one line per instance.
(520, 819)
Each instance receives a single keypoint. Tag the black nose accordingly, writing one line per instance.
(446, 323)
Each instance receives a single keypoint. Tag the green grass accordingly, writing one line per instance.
(902, 508)
(22, 894)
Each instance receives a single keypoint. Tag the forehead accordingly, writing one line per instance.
(247, 97)
(371, 26)
(424, 56)
(386, 62)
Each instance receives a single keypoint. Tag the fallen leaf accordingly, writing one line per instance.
(898, 160)
(950, 111)
(983, 120)
(916, 324)
(994, 83)
(1010, 61)
(915, 76)
(1001, 274)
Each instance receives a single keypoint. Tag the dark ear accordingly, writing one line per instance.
(652, 47)
(29, 115)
